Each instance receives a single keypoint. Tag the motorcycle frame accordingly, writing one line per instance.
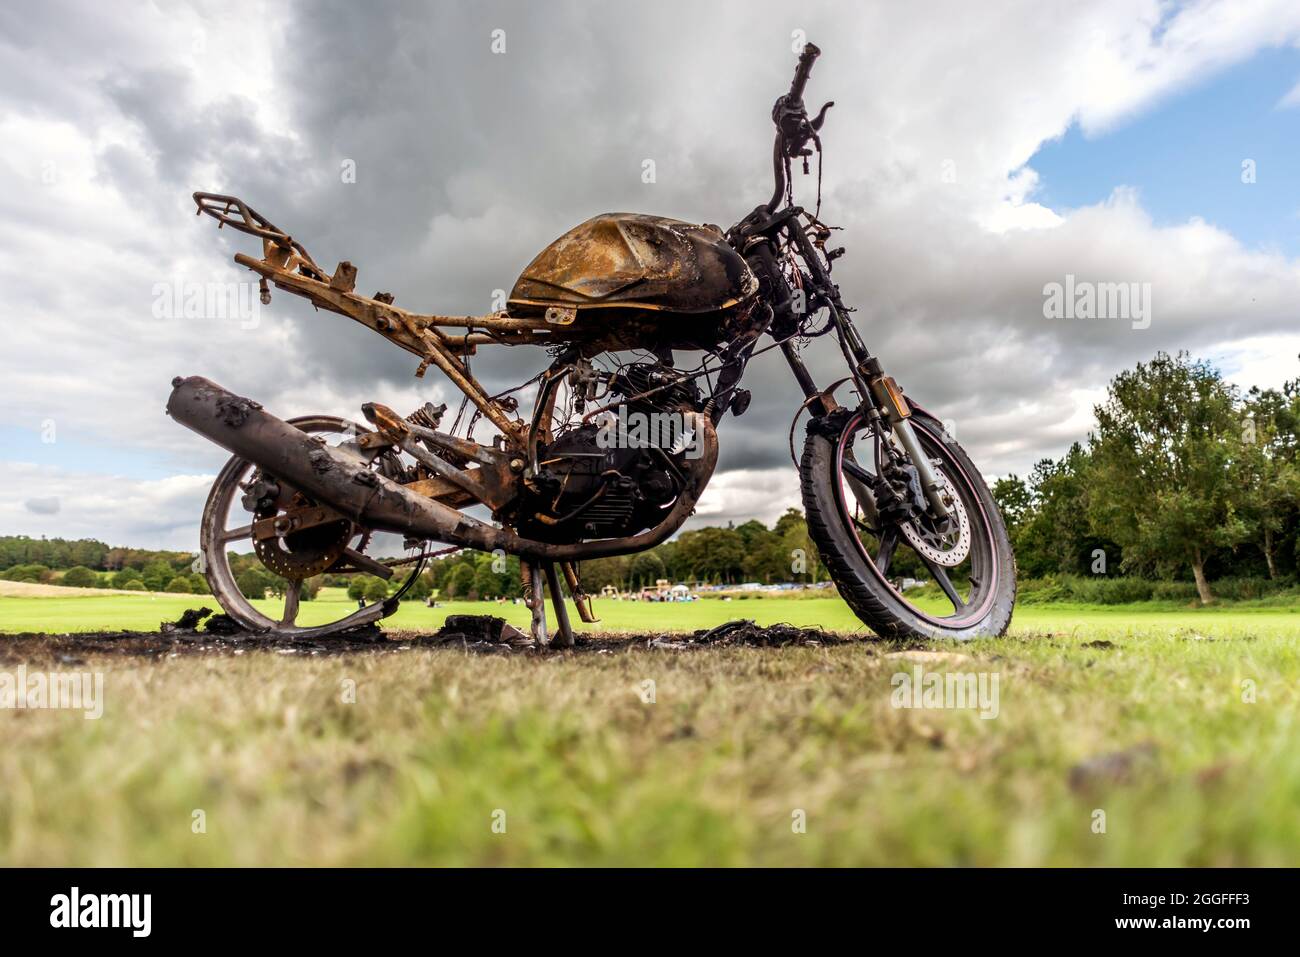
(287, 265)
(764, 237)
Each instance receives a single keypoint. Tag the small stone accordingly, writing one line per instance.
(1115, 767)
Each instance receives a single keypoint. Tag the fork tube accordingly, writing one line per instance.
(866, 368)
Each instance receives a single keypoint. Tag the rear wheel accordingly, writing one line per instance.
(866, 548)
(337, 547)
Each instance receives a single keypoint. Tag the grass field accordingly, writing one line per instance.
(137, 611)
(1179, 725)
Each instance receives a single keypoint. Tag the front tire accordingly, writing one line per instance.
(980, 590)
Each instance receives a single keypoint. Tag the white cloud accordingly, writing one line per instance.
(467, 163)
(149, 514)
(742, 494)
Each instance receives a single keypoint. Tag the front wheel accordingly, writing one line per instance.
(871, 549)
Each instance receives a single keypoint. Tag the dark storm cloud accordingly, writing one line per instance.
(468, 161)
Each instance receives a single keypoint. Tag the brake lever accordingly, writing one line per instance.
(797, 128)
(820, 118)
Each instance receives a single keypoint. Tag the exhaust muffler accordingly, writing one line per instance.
(244, 428)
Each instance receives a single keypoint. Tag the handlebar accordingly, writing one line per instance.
(810, 53)
(793, 127)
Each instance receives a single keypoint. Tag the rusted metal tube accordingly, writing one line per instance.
(333, 478)
(581, 600)
(563, 630)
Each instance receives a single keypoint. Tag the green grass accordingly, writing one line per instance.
(736, 741)
(146, 611)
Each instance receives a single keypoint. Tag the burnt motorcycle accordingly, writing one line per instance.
(568, 482)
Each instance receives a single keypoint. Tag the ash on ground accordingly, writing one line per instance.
(199, 632)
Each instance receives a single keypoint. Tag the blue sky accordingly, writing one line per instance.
(1184, 156)
(73, 451)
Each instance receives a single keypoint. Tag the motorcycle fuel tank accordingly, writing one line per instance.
(619, 265)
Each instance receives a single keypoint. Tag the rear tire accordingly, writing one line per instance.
(863, 585)
(216, 540)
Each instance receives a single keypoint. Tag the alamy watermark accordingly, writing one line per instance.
(239, 301)
(952, 690)
(62, 690)
(671, 431)
(1081, 299)
(132, 912)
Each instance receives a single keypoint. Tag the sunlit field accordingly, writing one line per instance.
(1179, 726)
(138, 611)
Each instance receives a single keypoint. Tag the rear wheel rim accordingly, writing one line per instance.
(217, 537)
(975, 581)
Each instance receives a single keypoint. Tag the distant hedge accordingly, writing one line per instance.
(1118, 590)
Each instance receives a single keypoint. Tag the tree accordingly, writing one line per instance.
(799, 551)
(1015, 502)
(179, 585)
(80, 577)
(419, 590)
(1270, 435)
(121, 579)
(487, 582)
(596, 573)
(461, 580)
(376, 589)
(437, 572)
(357, 588)
(1166, 479)
(645, 569)
(253, 582)
(713, 554)
(1054, 535)
(29, 573)
(157, 575)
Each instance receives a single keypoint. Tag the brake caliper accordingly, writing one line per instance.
(899, 497)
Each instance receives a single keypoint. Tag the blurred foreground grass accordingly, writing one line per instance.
(440, 743)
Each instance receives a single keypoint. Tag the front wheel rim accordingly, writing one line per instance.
(984, 560)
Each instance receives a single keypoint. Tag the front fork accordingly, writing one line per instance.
(881, 395)
(884, 399)
(889, 396)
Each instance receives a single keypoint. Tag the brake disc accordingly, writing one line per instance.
(301, 553)
(305, 553)
(949, 548)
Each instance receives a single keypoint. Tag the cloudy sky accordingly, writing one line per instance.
(976, 153)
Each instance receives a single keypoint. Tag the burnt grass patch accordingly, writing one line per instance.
(198, 632)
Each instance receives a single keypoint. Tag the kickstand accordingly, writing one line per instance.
(581, 600)
(535, 599)
(564, 638)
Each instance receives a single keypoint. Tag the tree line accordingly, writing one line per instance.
(1183, 477)
(716, 555)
